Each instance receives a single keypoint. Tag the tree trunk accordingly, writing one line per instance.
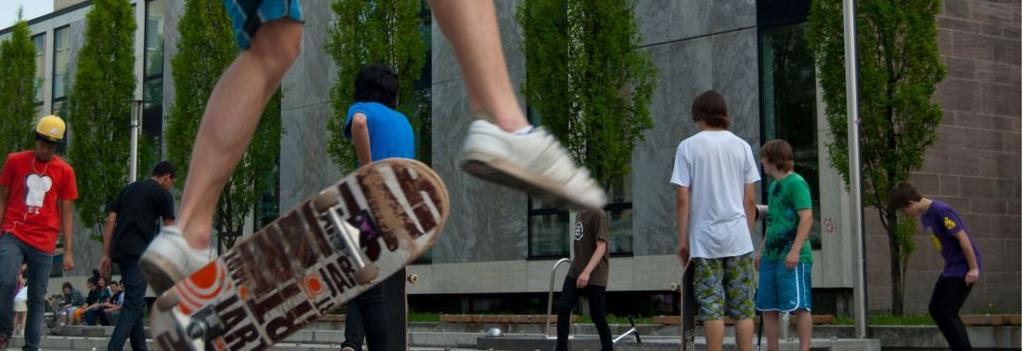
(897, 286)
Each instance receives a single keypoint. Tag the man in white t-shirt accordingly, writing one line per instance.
(716, 172)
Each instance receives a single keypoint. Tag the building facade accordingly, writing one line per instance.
(58, 37)
(499, 247)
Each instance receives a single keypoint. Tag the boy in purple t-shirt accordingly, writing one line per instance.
(962, 261)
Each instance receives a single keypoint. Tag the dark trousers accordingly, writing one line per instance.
(14, 252)
(948, 297)
(597, 310)
(92, 315)
(379, 316)
(129, 323)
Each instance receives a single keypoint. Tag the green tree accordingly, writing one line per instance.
(364, 32)
(899, 68)
(588, 79)
(99, 108)
(206, 49)
(17, 89)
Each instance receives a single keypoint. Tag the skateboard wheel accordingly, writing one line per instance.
(326, 199)
(197, 330)
(366, 274)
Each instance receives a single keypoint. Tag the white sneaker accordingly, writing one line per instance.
(534, 162)
(169, 259)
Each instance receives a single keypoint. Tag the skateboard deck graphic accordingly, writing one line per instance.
(688, 308)
(320, 255)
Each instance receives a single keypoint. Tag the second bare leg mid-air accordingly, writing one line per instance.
(501, 147)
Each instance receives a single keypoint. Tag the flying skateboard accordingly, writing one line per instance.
(687, 305)
(320, 255)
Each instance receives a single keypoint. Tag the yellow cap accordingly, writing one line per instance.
(51, 128)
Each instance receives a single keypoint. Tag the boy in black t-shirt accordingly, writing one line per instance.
(588, 274)
(130, 227)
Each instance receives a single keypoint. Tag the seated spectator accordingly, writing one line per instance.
(98, 295)
(72, 300)
(21, 303)
(112, 309)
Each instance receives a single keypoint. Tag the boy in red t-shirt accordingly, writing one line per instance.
(37, 193)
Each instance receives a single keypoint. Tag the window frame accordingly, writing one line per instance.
(58, 33)
(772, 15)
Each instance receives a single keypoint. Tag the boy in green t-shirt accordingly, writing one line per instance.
(785, 261)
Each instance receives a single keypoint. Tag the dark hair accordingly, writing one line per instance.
(778, 153)
(164, 168)
(902, 194)
(44, 139)
(67, 285)
(92, 280)
(710, 108)
(377, 83)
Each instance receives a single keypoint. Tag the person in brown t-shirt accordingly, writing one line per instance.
(588, 274)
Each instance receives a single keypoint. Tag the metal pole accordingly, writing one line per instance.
(550, 297)
(136, 110)
(852, 92)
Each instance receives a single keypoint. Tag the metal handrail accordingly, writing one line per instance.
(634, 331)
(550, 296)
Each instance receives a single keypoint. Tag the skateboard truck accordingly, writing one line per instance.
(326, 202)
(205, 325)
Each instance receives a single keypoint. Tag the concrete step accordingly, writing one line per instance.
(60, 343)
(591, 343)
(446, 335)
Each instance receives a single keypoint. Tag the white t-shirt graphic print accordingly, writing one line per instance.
(716, 166)
(38, 186)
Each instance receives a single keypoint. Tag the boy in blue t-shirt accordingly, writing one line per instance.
(962, 261)
(378, 132)
(786, 258)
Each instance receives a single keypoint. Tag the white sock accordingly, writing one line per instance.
(207, 254)
(525, 130)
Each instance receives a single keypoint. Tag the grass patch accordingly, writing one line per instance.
(888, 319)
(423, 317)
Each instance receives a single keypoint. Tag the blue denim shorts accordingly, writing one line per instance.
(248, 15)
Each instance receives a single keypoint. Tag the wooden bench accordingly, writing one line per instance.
(676, 320)
(992, 319)
(967, 319)
(332, 318)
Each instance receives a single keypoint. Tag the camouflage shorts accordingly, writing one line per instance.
(725, 284)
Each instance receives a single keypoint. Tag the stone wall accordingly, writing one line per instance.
(974, 164)
(695, 46)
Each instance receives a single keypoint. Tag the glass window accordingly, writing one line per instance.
(40, 61)
(548, 225)
(154, 38)
(60, 109)
(548, 231)
(56, 269)
(152, 92)
(620, 212)
(788, 88)
(61, 53)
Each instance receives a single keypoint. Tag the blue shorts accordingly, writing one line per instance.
(248, 15)
(782, 289)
